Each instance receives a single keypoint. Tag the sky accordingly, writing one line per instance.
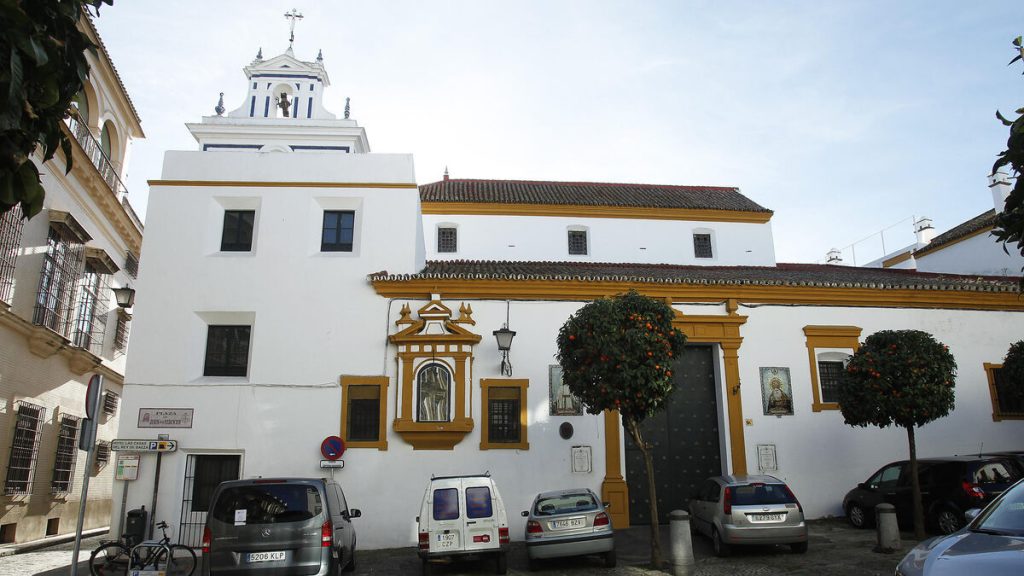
(846, 118)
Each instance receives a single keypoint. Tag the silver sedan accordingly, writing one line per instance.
(568, 523)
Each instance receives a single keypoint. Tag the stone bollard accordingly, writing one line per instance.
(888, 529)
(680, 543)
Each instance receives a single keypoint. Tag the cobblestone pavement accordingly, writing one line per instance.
(835, 549)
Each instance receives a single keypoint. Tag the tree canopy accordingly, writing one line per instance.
(42, 68)
(1009, 227)
(1013, 372)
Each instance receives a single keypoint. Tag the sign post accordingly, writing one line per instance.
(92, 401)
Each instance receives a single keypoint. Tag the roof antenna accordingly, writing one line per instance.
(445, 173)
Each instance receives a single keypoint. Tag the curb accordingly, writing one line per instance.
(12, 549)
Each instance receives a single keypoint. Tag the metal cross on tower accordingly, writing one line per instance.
(292, 17)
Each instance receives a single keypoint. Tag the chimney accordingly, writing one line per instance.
(834, 257)
(924, 231)
(999, 184)
(445, 173)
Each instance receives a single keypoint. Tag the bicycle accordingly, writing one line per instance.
(118, 556)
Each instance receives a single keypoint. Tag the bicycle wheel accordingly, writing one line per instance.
(109, 559)
(182, 561)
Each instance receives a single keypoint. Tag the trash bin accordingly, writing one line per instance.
(135, 526)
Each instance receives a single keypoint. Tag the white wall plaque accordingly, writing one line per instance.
(581, 459)
(766, 458)
(165, 417)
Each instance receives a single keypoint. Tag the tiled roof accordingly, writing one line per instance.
(979, 222)
(811, 275)
(588, 194)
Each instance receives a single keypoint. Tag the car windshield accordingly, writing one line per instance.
(565, 504)
(1006, 516)
(267, 504)
(753, 494)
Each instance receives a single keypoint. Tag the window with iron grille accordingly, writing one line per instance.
(447, 239)
(131, 264)
(363, 413)
(338, 231)
(237, 233)
(227, 351)
(829, 374)
(10, 240)
(110, 402)
(503, 408)
(91, 311)
(124, 323)
(24, 448)
(211, 470)
(67, 455)
(1009, 399)
(578, 242)
(102, 453)
(433, 384)
(702, 246)
(62, 267)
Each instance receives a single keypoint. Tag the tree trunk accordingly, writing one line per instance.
(915, 485)
(634, 430)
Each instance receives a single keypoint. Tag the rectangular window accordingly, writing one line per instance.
(227, 351)
(364, 413)
(211, 470)
(10, 240)
(62, 267)
(504, 414)
(446, 504)
(447, 240)
(67, 455)
(102, 453)
(124, 323)
(237, 233)
(702, 246)
(110, 402)
(24, 448)
(1007, 401)
(91, 310)
(478, 502)
(578, 242)
(829, 374)
(131, 265)
(338, 230)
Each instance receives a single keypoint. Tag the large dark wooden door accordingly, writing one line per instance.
(684, 439)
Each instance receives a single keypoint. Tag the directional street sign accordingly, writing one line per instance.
(144, 445)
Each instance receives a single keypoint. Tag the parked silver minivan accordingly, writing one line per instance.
(279, 526)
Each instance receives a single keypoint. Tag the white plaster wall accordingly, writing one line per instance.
(527, 238)
(981, 254)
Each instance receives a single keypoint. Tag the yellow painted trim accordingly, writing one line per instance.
(803, 295)
(485, 389)
(380, 382)
(614, 489)
(930, 249)
(889, 263)
(572, 210)
(997, 414)
(827, 337)
(257, 184)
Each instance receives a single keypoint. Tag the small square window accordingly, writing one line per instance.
(503, 406)
(702, 246)
(237, 234)
(829, 374)
(338, 230)
(447, 240)
(227, 351)
(578, 242)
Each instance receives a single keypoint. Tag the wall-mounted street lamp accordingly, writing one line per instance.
(504, 337)
(125, 296)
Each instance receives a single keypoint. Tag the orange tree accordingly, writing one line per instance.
(1009, 227)
(899, 378)
(1013, 375)
(617, 354)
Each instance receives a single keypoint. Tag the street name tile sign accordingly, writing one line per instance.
(143, 445)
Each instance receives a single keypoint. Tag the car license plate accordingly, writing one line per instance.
(446, 540)
(148, 573)
(265, 556)
(766, 517)
(570, 523)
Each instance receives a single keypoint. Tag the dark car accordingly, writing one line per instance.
(992, 544)
(279, 526)
(949, 487)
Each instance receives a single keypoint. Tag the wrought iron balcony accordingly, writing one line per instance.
(103, 165)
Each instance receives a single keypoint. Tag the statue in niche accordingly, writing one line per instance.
(434, 385)
(284, 104)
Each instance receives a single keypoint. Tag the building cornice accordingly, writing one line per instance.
(578, 211)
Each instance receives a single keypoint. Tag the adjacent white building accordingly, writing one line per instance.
(298, 286)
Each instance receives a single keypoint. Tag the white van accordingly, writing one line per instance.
(462, 517)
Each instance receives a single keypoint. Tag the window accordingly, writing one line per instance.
(478, 502)
(578, 242)
(227, 351)
(62, 267)
(124, 323)
(237, 234)
(102, 453)
(1006, 404)
(446, 504)
(131, 265)
(363, 418)
(338, 230)
(24, 448)
(10, 240)
(433, 386)
(702, 246)
(828, 346)
(67, 455)
(91, 310)
(110, 402)
(209, 471)
(447, 239)
(886, 478)
(504, 414)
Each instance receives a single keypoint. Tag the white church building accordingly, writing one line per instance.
(297, 286)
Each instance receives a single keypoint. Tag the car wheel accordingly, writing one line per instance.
(500, 563)
(721, 548)
(948, 521)
(857, 516)
(610, 559)
(799, 547)
(426, 567)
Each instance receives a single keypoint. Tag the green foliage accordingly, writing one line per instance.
(901, 377)
(1013, 371)
(1009, 227)
(617, 353)
(42, 68)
